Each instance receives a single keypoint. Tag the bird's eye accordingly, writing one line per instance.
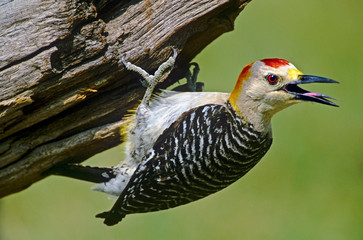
(272, 79)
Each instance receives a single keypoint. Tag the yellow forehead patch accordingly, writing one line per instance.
(294, 73)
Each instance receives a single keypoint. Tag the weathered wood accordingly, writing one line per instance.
(63, 89)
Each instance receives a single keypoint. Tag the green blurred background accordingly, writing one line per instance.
(308, 186)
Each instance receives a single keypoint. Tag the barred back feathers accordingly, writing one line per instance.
(204, 151)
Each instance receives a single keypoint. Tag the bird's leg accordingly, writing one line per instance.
(192, 85)
(192, 77)
(152, 80)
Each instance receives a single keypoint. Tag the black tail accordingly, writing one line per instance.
(111, 218)
(86, 173)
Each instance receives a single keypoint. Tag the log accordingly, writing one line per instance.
(63, 88)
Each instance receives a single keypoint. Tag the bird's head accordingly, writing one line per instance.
(267, 86)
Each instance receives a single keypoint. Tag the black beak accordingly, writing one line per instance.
(304, 95)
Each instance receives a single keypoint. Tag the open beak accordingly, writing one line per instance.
(304, 95)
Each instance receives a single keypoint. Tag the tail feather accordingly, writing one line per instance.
(86, 173)
(111, 218)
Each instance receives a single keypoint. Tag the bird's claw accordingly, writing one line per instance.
(148, 80)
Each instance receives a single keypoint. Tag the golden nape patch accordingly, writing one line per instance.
(244, 75)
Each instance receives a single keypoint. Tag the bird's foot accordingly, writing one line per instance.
(149, 80)
(192, 77)
(192, 85)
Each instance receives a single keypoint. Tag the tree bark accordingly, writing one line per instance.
(63, 88)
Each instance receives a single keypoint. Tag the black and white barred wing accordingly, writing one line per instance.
(192, 159)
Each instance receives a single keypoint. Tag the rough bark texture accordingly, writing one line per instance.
(63, 88)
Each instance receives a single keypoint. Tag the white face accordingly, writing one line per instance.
(265, 86)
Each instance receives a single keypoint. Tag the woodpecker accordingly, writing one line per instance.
(184, 146)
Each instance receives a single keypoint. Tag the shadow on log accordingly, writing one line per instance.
(63, 88)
